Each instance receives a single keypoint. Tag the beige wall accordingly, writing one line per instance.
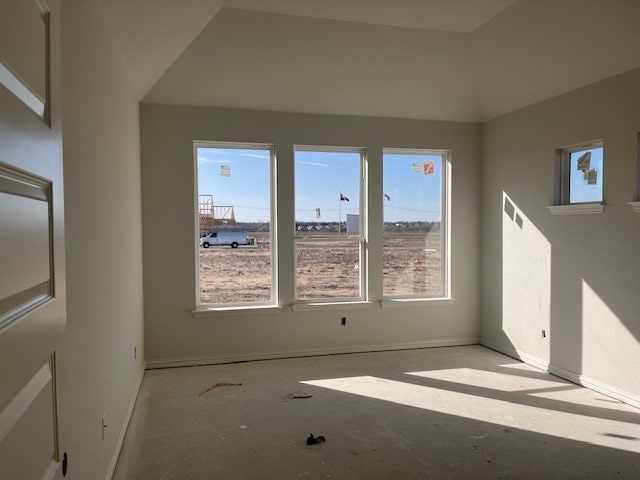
(172, 335)
(577, 275)
(103, 241)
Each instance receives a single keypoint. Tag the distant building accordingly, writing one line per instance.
(353, 224)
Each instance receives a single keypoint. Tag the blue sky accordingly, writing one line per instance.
(320, 178)
(414, 196)
(247, 187)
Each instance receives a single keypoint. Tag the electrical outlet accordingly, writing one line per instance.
(343, 321)
(104, 425)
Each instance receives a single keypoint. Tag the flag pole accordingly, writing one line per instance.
(339, 212)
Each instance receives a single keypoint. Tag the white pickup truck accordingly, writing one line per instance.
(224, 238)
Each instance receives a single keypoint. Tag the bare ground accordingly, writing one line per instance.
(412, 266)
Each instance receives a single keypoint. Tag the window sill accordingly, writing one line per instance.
(306, 307)
(415, 302)
(208, 312)
(577, 209)
(635, 206)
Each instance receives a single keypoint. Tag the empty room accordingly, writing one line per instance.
(319, 239)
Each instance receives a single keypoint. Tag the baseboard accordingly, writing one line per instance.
(582, 380)
(566, 374)
(123, 430)
(597, 386)
(217, 359)
(517, 354)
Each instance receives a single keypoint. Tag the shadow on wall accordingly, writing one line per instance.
(610, 337)
(526, 282)
(541, 310)
(576, 312)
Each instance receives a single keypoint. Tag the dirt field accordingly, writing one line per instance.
(411, 267)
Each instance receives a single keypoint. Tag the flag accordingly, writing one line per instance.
(343, 198)
(387, 197)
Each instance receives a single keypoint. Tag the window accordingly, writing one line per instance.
(234, 218)
(581, 174)
(415, 194)
(329, 224)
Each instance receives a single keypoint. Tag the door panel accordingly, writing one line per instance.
(28, 428)
(26, 255)
(22, 37)
(32, 286)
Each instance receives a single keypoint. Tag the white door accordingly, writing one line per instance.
(32, 279)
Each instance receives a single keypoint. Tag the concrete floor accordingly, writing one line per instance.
(458, 412)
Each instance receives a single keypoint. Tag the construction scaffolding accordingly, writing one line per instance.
(211, 215)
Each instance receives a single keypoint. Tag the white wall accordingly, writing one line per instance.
(172, 335)
(575, 276)
(103, 242)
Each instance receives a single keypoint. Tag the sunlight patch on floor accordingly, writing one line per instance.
(486, 379)
(508, 414)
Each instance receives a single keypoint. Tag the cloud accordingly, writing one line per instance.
(315, 164)
(231, 153)
(209, 160)
(228, 155)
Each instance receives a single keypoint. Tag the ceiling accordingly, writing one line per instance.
(464, 60)
(463, 16)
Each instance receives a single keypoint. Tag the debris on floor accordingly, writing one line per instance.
(312, 441)
(243, 427)
(216, 385)
(299, 394)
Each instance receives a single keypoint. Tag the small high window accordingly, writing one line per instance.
(582, 174)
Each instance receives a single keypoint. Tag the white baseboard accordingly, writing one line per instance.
(123, 430)
(217, 359)
(582, 380)
(597, 386)
(517, 354)
(566, 374)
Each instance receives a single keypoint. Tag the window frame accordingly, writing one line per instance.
(445, 225)
(635, 204)
(239, 306)
(361, 238)
(638, 167)
(564, 194)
